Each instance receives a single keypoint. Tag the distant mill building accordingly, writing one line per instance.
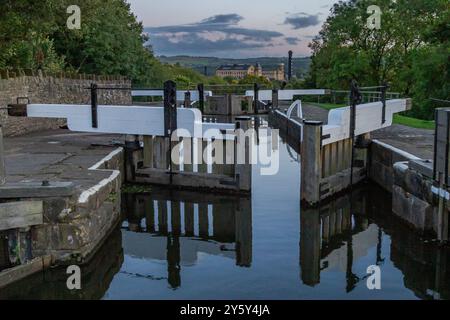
(240, 71)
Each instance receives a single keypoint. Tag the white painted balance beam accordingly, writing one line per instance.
(195, 95)
(266, 95)
(368, 119)
(136, 120)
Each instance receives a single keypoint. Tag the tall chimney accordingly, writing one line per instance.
(290, 65)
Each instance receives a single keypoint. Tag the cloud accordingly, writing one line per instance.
(214, 34)
(302, 20)
(232, 18)
(292, 40)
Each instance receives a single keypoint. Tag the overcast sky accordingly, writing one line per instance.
(231, 28)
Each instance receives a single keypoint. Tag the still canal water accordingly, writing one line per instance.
(185, 245)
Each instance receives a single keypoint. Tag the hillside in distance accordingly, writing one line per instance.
(210, 64)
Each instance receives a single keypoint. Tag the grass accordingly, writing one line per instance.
(398, 119)
(413, 122)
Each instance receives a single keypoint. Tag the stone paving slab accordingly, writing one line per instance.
(58, 155)
(419, 142)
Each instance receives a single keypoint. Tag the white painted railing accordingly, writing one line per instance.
(368, 119)
(195, 95)
(135, 120)
(266, 95)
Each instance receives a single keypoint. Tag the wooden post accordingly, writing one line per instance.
(244, 234)
(202, 166)
(256, 96)
(217, 145)
(311, 164)
(2, 159)
(228, 158)
(131, 146)
(162, 217)
(441, 168)
(201, 93)
(187, 99)
(362, 150)
(176, 218)
(203, 220)
(243, 172)
(275, 103)
(188, 155)
(161, 153)
(326, 228)
(310, 246)
(148, 151)
(149, 214)
(189, 219)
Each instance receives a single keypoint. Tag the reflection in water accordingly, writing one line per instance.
(177, 226)
(96, 277)
(186, 245)
(340, 232)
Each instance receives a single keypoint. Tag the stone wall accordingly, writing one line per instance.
(73, 228)
(412, 199)
(382, 158)
(40, 88)
(410, 181)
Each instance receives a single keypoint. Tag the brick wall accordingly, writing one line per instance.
(40, 88)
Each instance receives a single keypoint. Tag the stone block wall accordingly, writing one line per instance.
(382, 158)
(41, 88)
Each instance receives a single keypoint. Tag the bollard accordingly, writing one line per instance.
(311, 164)
(243, 172)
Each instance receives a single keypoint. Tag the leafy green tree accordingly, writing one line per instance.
(34, 35)
(402, 52)
(251, 79)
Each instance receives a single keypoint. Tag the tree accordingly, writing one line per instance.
(34, 35)
(400, 52)
(251, 79)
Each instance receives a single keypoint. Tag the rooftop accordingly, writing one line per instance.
(234, 67)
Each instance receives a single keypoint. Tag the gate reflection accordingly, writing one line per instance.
(336, 234)
(176, 226)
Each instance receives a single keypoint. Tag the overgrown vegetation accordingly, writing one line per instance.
(411, 50)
